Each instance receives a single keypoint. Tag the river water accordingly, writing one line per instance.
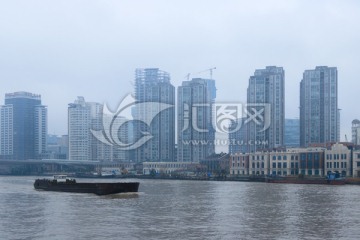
(172, 209)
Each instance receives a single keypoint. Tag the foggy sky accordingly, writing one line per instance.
(65, 49)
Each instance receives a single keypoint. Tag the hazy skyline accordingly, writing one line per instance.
(66, 49)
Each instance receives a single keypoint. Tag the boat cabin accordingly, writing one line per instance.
(60, 178)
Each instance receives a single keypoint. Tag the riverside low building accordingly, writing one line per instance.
(356, 163)
(338, 159)
(259, 163)
(166, 167)
(281, 162)
(284, 162)
(312, 161)
(239, 164)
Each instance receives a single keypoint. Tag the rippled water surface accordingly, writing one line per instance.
(169, 209)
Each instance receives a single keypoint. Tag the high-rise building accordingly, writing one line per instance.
(265, 94)
(6, 132)
(196, 134)
(83, 146)
(238, 139)
(79, 125)
(355, 132)
(153, 86)
(319, 113)
(40, 125)
(23, 127)
(292, 133)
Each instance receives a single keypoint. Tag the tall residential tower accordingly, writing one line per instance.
(265, 94)
(319, 113)
(83, 146)
(196, 134)
(153, 86)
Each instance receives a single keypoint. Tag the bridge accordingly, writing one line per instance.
(51, 166)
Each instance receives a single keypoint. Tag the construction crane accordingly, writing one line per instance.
(206, 70)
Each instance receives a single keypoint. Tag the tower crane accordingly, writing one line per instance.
(210, 70)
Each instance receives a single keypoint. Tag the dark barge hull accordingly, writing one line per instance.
(96, 188)
(306, 181)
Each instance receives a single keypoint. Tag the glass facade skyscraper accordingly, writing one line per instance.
(292, 133)
(23, 126)
(238, 139)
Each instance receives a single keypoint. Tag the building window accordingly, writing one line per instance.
(279, 157)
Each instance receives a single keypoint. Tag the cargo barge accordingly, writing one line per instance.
(61, 183)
